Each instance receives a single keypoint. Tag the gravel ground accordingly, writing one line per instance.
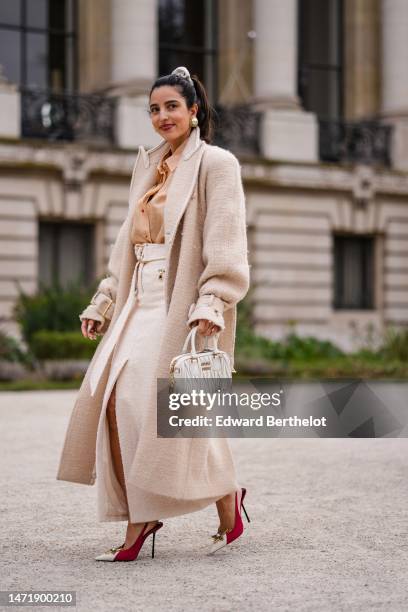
(328, 526)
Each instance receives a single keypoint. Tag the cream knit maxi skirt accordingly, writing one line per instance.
(133, 363)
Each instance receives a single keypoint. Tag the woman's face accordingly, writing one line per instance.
(170, 115)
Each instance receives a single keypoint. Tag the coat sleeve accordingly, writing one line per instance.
(225, 278)
(103, 301)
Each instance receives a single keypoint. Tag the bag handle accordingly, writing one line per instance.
(192, 336)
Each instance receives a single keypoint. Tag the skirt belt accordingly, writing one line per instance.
(144, 253)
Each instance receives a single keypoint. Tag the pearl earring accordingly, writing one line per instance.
(194, 122)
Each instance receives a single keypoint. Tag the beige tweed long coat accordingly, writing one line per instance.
(207, 275)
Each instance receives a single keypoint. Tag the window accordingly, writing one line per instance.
(320, 57)
(66, 253)
(38, 43)
(187, 37)
(353, 272)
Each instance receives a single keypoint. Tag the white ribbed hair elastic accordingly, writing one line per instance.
(183, 72)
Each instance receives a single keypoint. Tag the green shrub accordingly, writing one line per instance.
(291, 348)
(51, 308)
(308, 347)
(62, 345)
(10, 350)
(395, 344)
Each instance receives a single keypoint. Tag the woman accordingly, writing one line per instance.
(180, 259)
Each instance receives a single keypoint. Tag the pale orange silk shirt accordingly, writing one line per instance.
(148, 220)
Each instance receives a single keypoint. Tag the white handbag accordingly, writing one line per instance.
(210, 363)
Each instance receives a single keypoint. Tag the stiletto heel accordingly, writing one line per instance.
(246, 513)
(130, 554)
(242, 504)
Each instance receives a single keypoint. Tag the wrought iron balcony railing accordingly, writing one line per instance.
(367, 142)
(65, 116)
(238, 128)
(91, 118)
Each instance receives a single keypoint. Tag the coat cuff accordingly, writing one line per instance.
(91, 312)
(100, 309)
(208, 307)
(104, 304)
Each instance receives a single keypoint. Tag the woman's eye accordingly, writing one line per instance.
(156, 110)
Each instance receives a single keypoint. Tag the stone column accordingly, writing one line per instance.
(395, 57)
(94, 29)
(394, 89)
(362, 58)
(134, 44)
(288, 132)
(275, 53)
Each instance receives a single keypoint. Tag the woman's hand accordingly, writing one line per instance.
(90, 328)
(207, 328)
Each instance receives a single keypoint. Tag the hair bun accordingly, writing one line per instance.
(183, 72)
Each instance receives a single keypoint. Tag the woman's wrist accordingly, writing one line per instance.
(206, 327)
(208, 307)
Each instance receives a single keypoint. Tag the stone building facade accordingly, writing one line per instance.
(312, 97)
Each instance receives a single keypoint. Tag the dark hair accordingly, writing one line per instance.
(192, 93)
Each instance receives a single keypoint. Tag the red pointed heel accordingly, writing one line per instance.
(223, 539)
(130, 554)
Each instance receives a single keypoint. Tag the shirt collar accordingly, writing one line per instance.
(172, 159)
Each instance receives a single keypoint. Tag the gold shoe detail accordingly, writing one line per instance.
(109, 555)
(218, 537)
(115, 549)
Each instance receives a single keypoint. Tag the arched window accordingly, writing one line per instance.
(320, 57)
(38, 43)
(187, 37)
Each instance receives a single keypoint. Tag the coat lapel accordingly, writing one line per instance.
(181, 186)
(183, 183)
